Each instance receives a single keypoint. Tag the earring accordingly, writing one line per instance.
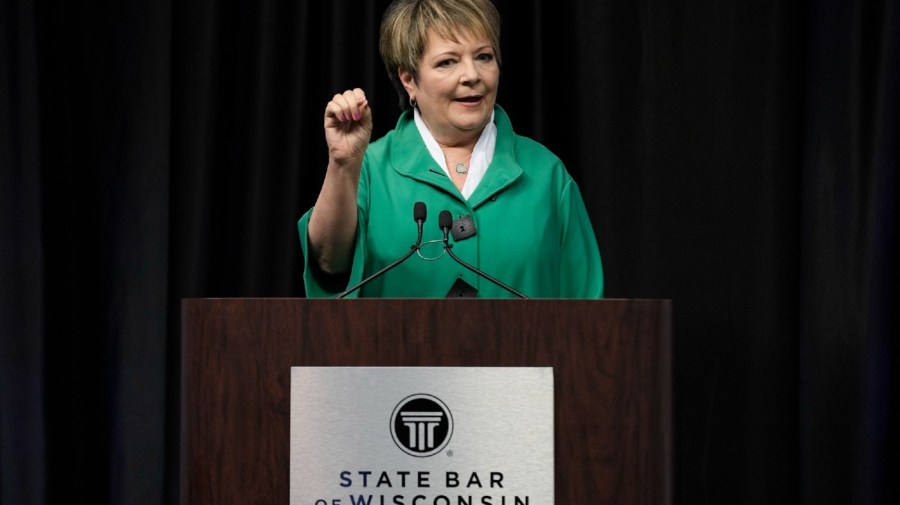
(413, 103)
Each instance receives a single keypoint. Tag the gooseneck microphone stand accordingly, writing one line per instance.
(419, 214)
(445, 221)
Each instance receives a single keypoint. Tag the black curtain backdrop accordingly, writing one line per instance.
(739, 158)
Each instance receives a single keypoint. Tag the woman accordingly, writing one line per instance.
(520, 216)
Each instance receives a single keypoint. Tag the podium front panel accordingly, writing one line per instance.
(612, 387)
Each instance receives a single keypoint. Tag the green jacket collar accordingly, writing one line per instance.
(503, 171)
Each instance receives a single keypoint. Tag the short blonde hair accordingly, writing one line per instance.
(406, 23)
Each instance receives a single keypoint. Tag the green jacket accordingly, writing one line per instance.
(533, 232)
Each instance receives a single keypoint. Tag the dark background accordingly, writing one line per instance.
(737, 157)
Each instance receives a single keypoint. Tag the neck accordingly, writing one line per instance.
(461, 140)
(458, 154)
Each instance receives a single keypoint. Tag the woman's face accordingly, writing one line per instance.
(456, 88)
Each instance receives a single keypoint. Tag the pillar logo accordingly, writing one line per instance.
(421, 425)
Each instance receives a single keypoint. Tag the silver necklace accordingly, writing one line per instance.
(461, 167)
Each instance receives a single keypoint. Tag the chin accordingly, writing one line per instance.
(469, 126)
(474, 121)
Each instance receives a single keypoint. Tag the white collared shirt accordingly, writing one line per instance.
(482, 154)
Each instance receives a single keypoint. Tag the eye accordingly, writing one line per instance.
(485, 57)
(445, 63)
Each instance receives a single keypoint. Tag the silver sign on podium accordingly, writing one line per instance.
(421, 436)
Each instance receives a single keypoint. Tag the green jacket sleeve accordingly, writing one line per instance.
(319, 284)
(581, 269)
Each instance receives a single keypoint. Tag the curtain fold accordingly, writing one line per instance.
(23, 440)
(849, 231)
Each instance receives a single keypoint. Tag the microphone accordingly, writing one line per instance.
(445, 221)
(419, 214)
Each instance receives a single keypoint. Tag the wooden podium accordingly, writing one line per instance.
(611, 362)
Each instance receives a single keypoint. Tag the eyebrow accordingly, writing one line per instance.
(455, 52)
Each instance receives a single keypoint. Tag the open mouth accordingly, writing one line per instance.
(469, 99)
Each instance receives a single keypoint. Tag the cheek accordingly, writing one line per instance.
(491, 82)
(439, 90)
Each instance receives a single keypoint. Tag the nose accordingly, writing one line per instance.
(468, 72)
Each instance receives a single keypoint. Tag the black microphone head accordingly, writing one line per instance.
(445, 220)
(419, 212)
